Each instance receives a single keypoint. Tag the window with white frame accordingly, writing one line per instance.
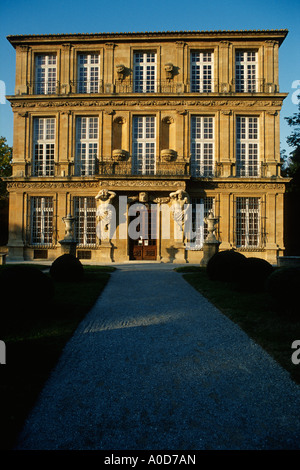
(248, 230)
(86, 145)
(144, 72)
(201, 72)
(45, 74)
(88, 79)
(85, 225)
(43, 146)
(200, 210)
(144, 145)
(246, 71)
(41, 220)
(247, 148)
(202, 146)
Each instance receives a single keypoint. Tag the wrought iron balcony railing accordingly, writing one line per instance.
(203, 86)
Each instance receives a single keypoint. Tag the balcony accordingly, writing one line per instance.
(98, 87)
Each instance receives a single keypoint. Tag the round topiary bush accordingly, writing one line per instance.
(66, 268)
(226, 265)
(282, 285)
(26, 288)
(255, 273)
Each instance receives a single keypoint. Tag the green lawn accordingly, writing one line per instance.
(255, 313)
(33, 346)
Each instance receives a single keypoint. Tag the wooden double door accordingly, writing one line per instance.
(145, 246)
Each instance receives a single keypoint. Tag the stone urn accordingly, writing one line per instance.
(69, 221)
(211, 222)
(211, 244)
(168, 155)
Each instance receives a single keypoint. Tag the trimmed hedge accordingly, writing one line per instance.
(67, 268)
(25, 288)
(282, 285)
(255, 273)
(226, 265)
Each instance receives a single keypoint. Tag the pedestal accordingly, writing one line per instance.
(105, 252)
(68, 247)
(180, 254)
(209, 249)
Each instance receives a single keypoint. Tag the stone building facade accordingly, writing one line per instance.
(119, 129)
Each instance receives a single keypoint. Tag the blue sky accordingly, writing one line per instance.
(97, 16)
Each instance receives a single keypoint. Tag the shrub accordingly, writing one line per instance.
(282, 285)
(26, 289)
(66, 268)
(226, 265)
(255, 273)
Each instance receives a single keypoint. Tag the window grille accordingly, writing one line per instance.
(247, 163)
(202, 72)
(41, 220)
(144, 145)
(202, 146)
(200, 210)
(248, 222)
(144, 72)
(43, 146)
(86, 146)
(246, 71)
(45, 74)
(88, 73)
(85, 220)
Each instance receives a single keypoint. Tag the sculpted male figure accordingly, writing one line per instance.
(179, 199)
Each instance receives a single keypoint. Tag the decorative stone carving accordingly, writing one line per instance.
(68, 244)
(168, 155)
(121, 72)
(104, 214)
(169, 68)
(119, 155)
(69, 222)
(179, 199)
(211, 244)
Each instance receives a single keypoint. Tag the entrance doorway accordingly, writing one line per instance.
(145, 247)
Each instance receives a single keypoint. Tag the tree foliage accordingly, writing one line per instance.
(5, 164)
(293, 163)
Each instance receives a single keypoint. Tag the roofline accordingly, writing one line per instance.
(279, 34)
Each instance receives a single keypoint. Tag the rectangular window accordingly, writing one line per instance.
(247, 158)
(201, 72)
(144, 72)
(88, 80)
(202, 146)
(247, 222)
(246, 71)
(86, 146)
(43, 146)
(45, 74)
(85, 227)
(200, 210)
(41, 220)
(144, 145)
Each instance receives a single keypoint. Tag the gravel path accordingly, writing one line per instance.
(155, 366)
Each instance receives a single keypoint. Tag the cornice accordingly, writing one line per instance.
(272, 34)
(224, 101)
